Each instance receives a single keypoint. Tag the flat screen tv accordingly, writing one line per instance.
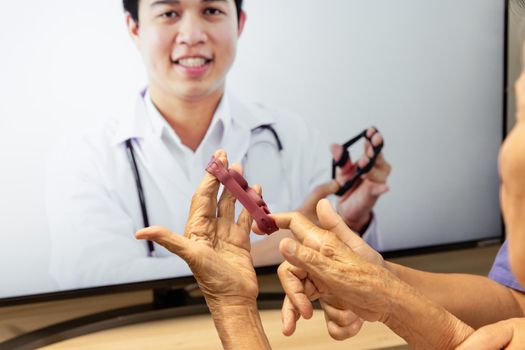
(429, 74)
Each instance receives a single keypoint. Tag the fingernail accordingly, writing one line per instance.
(328, 205)
(291, 247)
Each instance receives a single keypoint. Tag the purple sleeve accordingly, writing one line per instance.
(501, 271)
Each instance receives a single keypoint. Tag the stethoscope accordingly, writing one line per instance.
(140, 187)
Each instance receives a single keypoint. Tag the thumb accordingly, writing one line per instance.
(319, 193)
(331, 221)
(344, 172)
(175, 243)
(378, 189)
(337, 151)
(308, 259)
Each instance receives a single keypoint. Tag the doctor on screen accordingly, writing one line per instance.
(142, 169)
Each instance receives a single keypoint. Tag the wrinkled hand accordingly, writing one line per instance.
(216, 248)
(508, 334)
(300, 292)
(338, 250)
(356, 205)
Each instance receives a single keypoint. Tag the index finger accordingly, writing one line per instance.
(204, 200)
(292, 281)
(302, 228)
(380, 171)
(318, 193)
(331, 221)
(289, 317)
(345, 172)
(208, 183)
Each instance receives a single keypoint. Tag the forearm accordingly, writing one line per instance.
(422, 323)
(239, 327)
(476, 300)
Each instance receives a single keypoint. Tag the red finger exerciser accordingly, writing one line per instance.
(250, 199)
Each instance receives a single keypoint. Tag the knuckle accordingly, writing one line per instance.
(227, 194)
(282, 269)
(307, 256)
(342, 318)
(199, 226)
(199, 199)
(330, 245)
(226, 205)
(328, 250)
(297, 216)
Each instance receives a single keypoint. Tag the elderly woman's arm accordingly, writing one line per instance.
(345, 274)
(476, 300)
(217, 249)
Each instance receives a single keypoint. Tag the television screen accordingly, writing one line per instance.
(428, 74)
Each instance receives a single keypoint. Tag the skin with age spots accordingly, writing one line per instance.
(217, 249)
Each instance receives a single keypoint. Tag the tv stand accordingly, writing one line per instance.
(18, 321)
(167, 303)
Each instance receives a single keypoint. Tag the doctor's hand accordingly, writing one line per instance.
(356, 205)
(508, 334)
(216, 248)
(308, 208)
(302, 287)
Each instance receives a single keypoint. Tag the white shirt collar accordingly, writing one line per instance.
(249, 115)
(160, 125)
(133, 125)
(147, 120)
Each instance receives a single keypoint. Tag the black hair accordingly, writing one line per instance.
(132, 7)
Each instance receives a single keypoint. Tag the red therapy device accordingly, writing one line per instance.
(250, 199)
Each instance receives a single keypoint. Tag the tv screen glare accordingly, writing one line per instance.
(427, 73)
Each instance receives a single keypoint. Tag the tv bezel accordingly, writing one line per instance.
(183, 281)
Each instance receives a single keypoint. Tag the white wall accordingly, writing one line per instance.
(427, 73)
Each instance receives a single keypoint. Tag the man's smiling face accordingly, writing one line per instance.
(187, 46)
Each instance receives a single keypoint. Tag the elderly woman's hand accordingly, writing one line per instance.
(216, 248)
(351, 281)
(341, 323)
(345, 253)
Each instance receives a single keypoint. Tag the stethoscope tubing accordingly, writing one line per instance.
(140, 191)
(140, 188)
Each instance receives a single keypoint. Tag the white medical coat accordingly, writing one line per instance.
(92, 201)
